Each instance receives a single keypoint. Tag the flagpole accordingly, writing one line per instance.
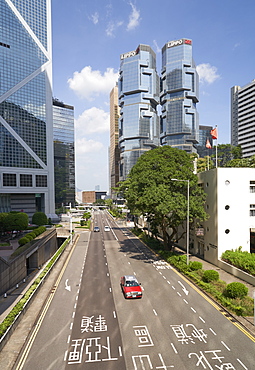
(217, 147)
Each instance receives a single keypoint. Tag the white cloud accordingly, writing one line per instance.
(83, 146)
(95, 17)
(91, 121)
(236, 45)
(207, 73)
(88, 83)
(134, 18)
(112, 27)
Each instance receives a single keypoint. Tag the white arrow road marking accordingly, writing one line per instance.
(67, 287)
(183, 288)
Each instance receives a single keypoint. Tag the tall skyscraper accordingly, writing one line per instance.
(26, 130)
(242, 118)
(204, 138)
(114, 152)
(138, 99)
(64, 161)
(178, 96)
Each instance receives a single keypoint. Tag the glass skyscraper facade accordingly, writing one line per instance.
(26, 130)
(64, 154)
(138, 88)
(179, 126)
(204, 138)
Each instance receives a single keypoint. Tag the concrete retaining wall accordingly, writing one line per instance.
(236, 272)
(14, 270)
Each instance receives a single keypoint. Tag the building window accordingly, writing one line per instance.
(9, 179)
(252, 186)
(26, 180)
(41, 181)
(252, 209)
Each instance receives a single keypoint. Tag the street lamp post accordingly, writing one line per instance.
(187, 240)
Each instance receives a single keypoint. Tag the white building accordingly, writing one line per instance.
(242, 118)
(230, 205)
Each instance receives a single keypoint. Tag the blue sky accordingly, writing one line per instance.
(90, 35)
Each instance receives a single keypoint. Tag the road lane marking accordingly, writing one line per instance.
(212, 331)
(38, 324)
(175, 350)
(193, 309)
(185, 301)
(155, 313)
(240, 362)
(224, 344)
(201, 319)
(114, 314)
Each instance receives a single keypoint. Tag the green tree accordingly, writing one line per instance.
(3, 215)
(149, 191)
(242, 162)
(109, 203)
(202, 164)
(99, 202)
(86, 215)
(39, 218)
(16, 221)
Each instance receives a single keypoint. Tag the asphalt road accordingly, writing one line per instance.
(88, 324)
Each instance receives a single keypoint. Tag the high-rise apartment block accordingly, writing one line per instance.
(242, 118)
(64, 161)
(26, 129)
(138, 100)
(179, 96)
(114, 152)
(141, 127)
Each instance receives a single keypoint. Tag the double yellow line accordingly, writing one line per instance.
(34, 333)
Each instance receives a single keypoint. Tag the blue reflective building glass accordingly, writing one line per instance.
(26, 130)
(138, 88)
(179, 126)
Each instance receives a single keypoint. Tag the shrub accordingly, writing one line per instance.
(211, 275)
(29, 237)
(195, 265)
(236, 290)
(39, 218)
(23, 241)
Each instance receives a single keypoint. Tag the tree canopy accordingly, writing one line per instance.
(150, 191)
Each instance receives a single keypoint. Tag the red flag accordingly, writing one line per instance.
(208, 145)
(214, 133)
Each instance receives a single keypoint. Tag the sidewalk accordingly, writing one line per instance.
(247, 322)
